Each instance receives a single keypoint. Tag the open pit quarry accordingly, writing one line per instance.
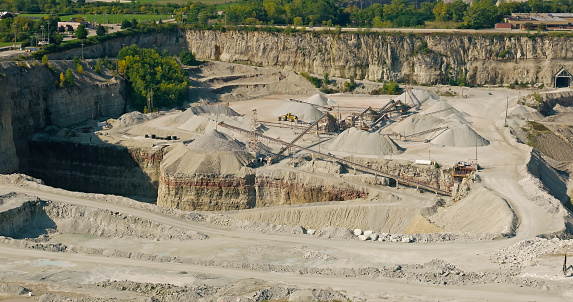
(360, 197)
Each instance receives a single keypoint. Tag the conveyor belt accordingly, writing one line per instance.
(398, 179)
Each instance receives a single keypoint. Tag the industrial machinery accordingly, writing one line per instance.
(288, 117)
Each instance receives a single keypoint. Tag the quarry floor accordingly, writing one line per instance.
(75, 273)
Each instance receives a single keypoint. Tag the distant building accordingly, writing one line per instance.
(502, 26)
(69, 24)
(551, 21)
(4, 15)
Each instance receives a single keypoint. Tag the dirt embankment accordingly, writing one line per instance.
(34, 218)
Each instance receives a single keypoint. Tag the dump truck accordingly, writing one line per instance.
(288, 117)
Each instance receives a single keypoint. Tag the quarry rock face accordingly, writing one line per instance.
(31, 101)
(96, 168)
(432, 59)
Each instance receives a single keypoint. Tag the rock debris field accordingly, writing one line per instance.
(502, 237)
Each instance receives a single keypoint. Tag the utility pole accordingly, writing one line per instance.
(15, 34)
(82, 49)
(506, 108)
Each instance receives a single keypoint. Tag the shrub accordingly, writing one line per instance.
(187, 58)
(315, 81)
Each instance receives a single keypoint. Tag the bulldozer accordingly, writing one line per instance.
(288, 117)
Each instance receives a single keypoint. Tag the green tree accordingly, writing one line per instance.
(297, 21)
(45, 60)
(68, 78)
(481, 14)
(187, 58)
(101, 30)
(125, 24)
(81, 32)
(146, 70)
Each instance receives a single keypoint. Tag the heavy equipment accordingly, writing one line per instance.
(288, 117)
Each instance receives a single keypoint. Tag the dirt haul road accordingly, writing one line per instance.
(503, 160)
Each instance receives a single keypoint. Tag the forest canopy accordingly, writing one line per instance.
(152, 75)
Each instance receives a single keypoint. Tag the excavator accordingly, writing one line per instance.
(288, 117)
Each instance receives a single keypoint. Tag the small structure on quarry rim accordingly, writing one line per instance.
(562, 78)
(462, 169)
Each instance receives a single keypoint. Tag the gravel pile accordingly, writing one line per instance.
(216, 141)
(424, 97)
(364, 142)
(525, 113)
(442, 114)
(320, 99)
(304, 112)
(205, 110)
(335, 233)
(461, 136)
(525, 252)
(131, 118)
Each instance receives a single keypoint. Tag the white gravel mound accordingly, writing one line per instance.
(320, 99)
(364, 142)
(304, 112)
(417, 123)
(184, 161)
(461, 136)
(205, 110)
(216, 141)
(427, 98)
(335, 233)
(524, 112)
(199, 124)
(131, 118)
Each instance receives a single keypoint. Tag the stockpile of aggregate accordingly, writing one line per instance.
(131, 118)
(320, 99)
(211, 154)
(363, 142)
(442, 115)
(216, 141)
(527, 113)
(205, 110)
(422, 96)
(460, 136)
(304, 112)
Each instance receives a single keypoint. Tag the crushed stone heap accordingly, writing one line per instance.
(304, 112)
(216, 141)
(363, 142)
(460, 136)
(205, 110)
(320, 99)
(440, 115)
(211, 154)
(420, 97)
(131, 118)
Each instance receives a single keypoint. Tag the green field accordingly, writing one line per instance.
(3, 44)
(113, 19)
(103, 18)
(442, 24)
(208, 2)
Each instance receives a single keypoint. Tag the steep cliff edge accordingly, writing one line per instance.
(432, 59)
(31, 101)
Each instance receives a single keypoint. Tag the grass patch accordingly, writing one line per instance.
(442, 24)
(115, 19)
(4, 44)
(537, 126)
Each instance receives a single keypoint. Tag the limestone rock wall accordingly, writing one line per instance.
(207, 192)
(432, 59)
(263, 189)
(435, 177)
(31, 101)
(96, 168)
(172, 41)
